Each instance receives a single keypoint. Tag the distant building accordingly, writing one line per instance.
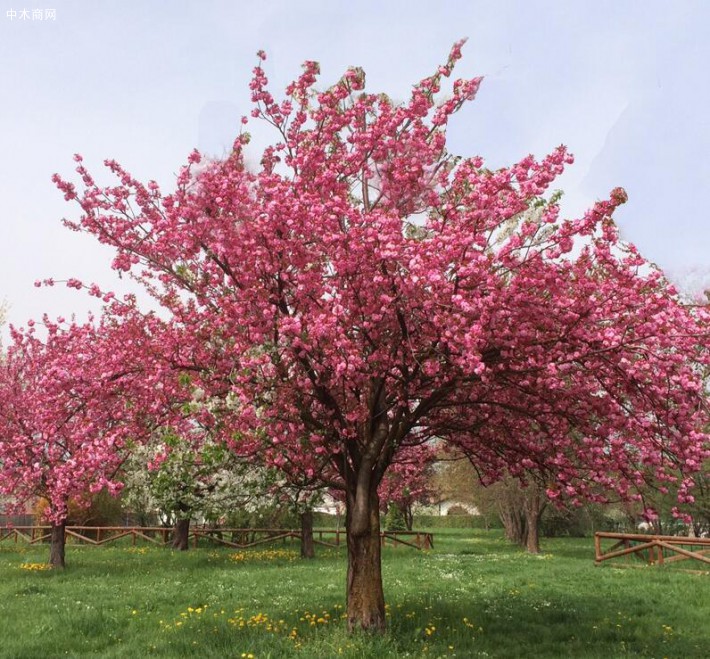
(330, 506)
(443, 507)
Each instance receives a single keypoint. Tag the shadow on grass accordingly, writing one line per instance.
(522, 623)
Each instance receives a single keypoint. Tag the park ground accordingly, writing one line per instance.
(473, 595)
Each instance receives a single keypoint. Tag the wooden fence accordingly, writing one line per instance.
(651, 549)
(230, 537)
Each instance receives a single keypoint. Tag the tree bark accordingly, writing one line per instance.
(513, 522)
(532, 527)
(408, 515)
(58, 543)
(365, 594)
(533, 508)
(181, 534)
(307, 547)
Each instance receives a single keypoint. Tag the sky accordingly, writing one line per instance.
(624, 84)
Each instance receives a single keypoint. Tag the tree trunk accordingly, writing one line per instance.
(56, 548)
(532, 542)
(513, 522)
(181, 534)
(408, 516)
(307, 547)
(533, 512)
(365, 595)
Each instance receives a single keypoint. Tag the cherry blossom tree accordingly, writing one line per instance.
(72, 402)
(368, 291)
(409, 481)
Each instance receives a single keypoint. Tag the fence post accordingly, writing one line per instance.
(597, 548)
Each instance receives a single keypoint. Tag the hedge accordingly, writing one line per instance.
(455, 522)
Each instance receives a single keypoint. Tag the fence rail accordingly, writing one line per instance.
(651, 549)
(237, 538)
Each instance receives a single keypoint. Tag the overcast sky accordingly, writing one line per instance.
(623, 84)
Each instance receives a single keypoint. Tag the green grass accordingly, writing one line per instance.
(473, 596)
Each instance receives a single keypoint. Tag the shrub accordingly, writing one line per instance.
(577, 522)
(457, 510)
(103, 510)
(394, 519)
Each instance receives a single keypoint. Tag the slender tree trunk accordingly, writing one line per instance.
(365, 595)
(307, 547)
(408, 516)
(513, 522)
(181, 534)
(58, 543)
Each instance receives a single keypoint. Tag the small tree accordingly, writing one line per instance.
(519, 508)
(301, 500)
(70, 406)
(182, 478)
(406, 484)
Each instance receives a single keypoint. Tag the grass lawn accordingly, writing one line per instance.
(472, 596)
